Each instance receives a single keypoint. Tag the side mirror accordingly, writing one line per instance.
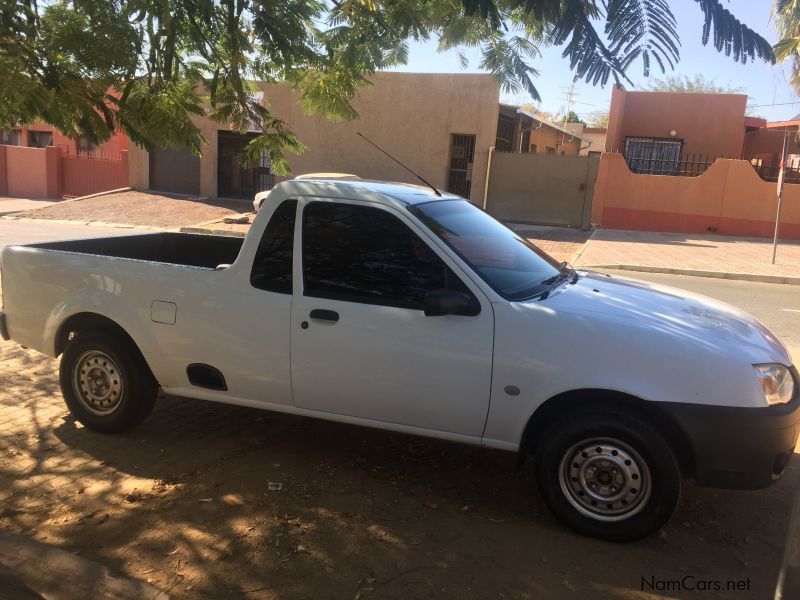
(439, 303)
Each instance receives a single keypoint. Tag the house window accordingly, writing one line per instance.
(550, 150)
(534, 148)
(656, 156)
(505, 134)
(526, 141)
(9, 137)
(40, 139)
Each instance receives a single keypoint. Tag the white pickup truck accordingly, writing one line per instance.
(391, 306)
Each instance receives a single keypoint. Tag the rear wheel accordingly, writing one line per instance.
(105, 382)
(608, 476)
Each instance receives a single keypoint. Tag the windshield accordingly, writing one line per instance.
(516, 269)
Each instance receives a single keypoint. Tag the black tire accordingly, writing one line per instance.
(106, 382)
(608, 476)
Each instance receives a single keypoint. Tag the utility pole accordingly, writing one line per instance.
(781, 177)
(570, 98)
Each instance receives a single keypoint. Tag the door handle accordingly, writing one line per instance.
(325, 315)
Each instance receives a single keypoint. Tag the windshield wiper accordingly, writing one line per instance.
(565, 273)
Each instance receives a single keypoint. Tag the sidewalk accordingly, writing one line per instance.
(706, 256)
(12, 205)
(139, 210)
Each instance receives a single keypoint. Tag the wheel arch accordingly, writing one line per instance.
(568, 403)
(88, 321)
(91, 321)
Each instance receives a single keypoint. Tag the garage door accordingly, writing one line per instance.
(174, 170)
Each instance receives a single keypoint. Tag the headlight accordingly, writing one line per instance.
(776, 382)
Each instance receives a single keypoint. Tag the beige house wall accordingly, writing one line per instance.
(597, 137)
(546, 137)
(410, 115)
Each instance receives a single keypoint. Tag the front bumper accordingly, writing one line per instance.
(740, 448)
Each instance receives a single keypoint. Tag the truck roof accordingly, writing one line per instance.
(366, 189)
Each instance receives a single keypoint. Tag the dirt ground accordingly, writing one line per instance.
(207, 500)
(140, 208)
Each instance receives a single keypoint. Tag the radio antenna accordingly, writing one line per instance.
(435, 191)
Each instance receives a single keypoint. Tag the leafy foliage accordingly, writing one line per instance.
(150, 68)
(697, 84)
(787, 20)
(572, 117)
(599, 121)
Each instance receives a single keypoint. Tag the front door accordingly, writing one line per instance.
(361, 343)
(235, 180)
(462, 155)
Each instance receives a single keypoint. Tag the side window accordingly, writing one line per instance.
(272, 267)
(362, 254)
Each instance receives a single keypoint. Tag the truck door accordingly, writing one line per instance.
(361, 343)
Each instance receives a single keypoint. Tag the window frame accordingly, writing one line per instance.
(300, 240)
(293, 262)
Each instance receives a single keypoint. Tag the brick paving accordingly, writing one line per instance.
(134, 208)
(562, 243)
(712, 254)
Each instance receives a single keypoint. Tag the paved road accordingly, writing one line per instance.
(775, 305)
(24, 232)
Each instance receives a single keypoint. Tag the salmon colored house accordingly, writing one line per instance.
(694, 163)
(38, 161)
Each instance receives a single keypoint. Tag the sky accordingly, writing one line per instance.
(770, 95)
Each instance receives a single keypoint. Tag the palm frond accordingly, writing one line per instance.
(732, 36)
(588, 54)
(643, 29)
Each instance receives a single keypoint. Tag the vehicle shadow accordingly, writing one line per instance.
(215, 500)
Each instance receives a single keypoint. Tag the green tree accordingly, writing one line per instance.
(786, 15)
(691, 85)
(599, 121)
(572, 117)
(147, 67)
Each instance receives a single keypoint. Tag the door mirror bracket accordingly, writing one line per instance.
(439, 303)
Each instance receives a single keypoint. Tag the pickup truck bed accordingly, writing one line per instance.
(172, 248)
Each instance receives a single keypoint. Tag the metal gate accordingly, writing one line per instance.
(174, 170)
(234, 180)
(462, 154)
(542, 188)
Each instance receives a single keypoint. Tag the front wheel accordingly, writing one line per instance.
(105, 382)
(608, 476)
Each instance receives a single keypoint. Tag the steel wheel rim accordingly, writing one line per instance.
(98, 382)
(605, 479)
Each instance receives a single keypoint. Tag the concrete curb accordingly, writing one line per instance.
(89, 223)
(697, 273)
(59, 575)
(106, 193)
(205, 231)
